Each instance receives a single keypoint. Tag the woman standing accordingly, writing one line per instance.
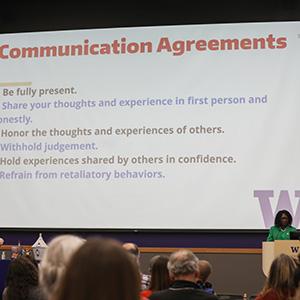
(282, 227)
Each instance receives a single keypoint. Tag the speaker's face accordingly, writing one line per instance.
(284, 220)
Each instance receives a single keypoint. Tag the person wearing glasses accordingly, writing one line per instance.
(282, 227)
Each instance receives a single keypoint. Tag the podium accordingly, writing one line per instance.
(270, 250)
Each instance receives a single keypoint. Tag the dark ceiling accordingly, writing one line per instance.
(41, 15)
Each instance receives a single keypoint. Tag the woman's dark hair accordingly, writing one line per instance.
(22, 277)
(279, 215)
(160, 279)
(100, 269)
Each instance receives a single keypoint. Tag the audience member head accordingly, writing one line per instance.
(15, 252)
(283, 219)
(132, 248)
(100, 269)
(1, 241)
(160, 278)
(281, 277)
(55, 260)
(205, 270)
(183, 265)
(21, 279)
(30, 256)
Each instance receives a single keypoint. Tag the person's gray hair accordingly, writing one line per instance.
(183, 262)
(55, 260)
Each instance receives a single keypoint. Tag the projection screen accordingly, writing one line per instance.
(173, 127)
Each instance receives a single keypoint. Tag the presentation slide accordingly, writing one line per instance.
(168, 127)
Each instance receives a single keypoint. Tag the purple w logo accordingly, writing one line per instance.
(284, 202)
(295, 249)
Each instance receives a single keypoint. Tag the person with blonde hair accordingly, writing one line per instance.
(100, 270)
(55, 260)
(280, 282)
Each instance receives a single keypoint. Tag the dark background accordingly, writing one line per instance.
(50, 15)
(40, 15)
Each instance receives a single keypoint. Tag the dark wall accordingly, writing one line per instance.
(49, 15)
(200, 239)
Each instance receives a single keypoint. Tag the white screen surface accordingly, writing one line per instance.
(178, 127)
